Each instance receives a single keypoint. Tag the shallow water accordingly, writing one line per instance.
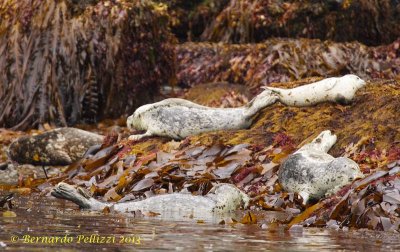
(46, 217)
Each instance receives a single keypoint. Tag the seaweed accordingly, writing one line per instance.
(282, 60)
(65, 62)
(246, 21)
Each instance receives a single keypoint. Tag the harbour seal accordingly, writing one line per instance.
(61, 146)
(222, 198)
(335, 89)
(178, 118)
(313, 173)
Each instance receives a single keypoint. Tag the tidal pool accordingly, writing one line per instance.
(40, 221)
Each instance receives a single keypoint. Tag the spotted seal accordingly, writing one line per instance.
(313, 173)
(335, 89)
(222, 198)
(178, 118)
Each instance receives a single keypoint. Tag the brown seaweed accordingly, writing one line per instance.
(246, 21)
(63, 62)
(282, 60)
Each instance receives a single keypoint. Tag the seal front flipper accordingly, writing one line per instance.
(330, 85)
(138, 137)
(305, 196)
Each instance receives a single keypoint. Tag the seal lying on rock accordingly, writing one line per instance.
(61, 146)
(313, 173)
(336, 89)
(221, 199)
(178, 118)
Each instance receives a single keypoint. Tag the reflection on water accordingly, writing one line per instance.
(48, 218)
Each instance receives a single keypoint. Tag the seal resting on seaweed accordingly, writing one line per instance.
(335, 89)
(221, 198)
(178, 118)
(313, 173)
(61, 146)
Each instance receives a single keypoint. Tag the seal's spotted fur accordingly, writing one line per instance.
(335, 89)
(313, 173)
(179, 118)
(222, 198)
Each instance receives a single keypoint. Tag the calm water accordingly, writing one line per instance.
(48, 217)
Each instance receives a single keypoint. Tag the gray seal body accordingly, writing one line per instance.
(222, 198)
(313, 173)
(335, 89)
(178, 118)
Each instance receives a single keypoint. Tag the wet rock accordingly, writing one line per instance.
(61, 146)
(9, 176)
(16, 173)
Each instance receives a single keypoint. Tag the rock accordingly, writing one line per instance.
(61, 146)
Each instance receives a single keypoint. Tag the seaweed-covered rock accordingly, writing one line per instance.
(281, 60)
(244, 21)
(222, 95)
(371, 117)
(189, 19)
(68, 61)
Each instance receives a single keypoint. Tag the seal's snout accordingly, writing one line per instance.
(361, 82)
(355, 80)
(326, 136)
(129, 121)
(326, 133)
